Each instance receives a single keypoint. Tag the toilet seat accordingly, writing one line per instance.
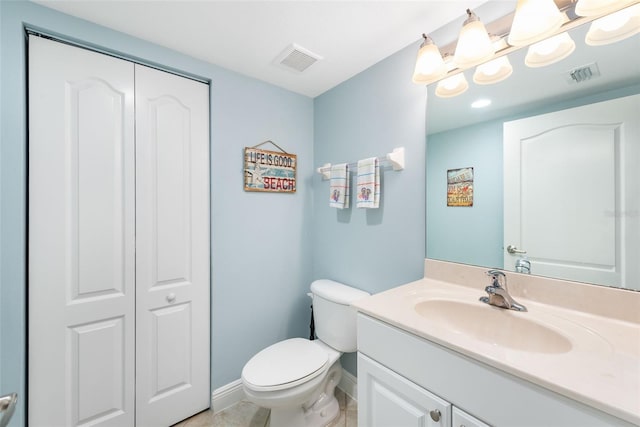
(285, 364)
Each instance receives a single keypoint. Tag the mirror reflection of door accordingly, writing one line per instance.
(571, 192)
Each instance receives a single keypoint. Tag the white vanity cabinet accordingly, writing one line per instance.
(402, 378)
(396, 401)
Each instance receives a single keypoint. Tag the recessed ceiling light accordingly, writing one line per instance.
(481, 103)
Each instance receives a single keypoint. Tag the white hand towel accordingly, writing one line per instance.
(368, 183)
(339, 194)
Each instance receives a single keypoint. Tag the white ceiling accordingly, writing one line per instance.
(247, 36)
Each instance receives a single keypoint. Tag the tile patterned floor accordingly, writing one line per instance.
(246, 414)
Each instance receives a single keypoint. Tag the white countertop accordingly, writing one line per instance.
(601, 369)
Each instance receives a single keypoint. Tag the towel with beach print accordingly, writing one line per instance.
(368, 183)
(339, 188)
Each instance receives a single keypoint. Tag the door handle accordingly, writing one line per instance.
(513, 250)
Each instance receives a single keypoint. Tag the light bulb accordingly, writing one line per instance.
(550, 51)
(452, 86)
(534, 20)
(429, 64)
(481, 103)
(493, 71)
(615, 27)
(599, 7)
(474, 45)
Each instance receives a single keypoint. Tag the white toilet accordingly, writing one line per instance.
(296, 378)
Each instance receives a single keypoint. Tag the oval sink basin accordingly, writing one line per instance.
(496, 326)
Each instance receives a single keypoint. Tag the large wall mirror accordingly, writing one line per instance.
(460, 136)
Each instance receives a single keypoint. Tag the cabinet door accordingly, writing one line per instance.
(462, 419)
(389, 400)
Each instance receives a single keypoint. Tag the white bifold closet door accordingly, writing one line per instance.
(118, 241)
(172, 247)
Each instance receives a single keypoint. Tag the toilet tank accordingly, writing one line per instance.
(334, 318)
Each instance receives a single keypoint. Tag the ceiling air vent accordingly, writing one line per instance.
(583, 73)
(297, 58)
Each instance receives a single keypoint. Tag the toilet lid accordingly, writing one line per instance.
(285, 362)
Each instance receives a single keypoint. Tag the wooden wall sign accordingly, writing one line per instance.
(460, 187)
(269, 171)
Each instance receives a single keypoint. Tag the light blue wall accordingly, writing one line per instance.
(261, 247)
(471, 235)
(474, 235)
(367, 116)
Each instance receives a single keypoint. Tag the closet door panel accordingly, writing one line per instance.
(171, 190)
(97, 186)
(99, 375)
(171, 355)
(81, 237)
(172, 247)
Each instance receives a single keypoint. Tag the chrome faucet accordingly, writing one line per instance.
(498, 294)
(523, 266)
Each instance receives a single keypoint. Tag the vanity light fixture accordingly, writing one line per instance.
(452, 86)
(534, 20)
(429, 65)
(539, 24)
(474, 45)
(493, 71)
(599, 7)
(550, 51)
(615, 27)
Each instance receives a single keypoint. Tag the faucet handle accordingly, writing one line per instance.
(496, 275)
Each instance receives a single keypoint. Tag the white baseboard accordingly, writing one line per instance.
(227, 396)
(232, 393)
(349, 384)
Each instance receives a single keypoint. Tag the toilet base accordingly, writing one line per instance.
(322, 417)
(298, 417)
(320, 411)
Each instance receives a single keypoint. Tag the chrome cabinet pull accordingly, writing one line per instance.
(435, 415)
